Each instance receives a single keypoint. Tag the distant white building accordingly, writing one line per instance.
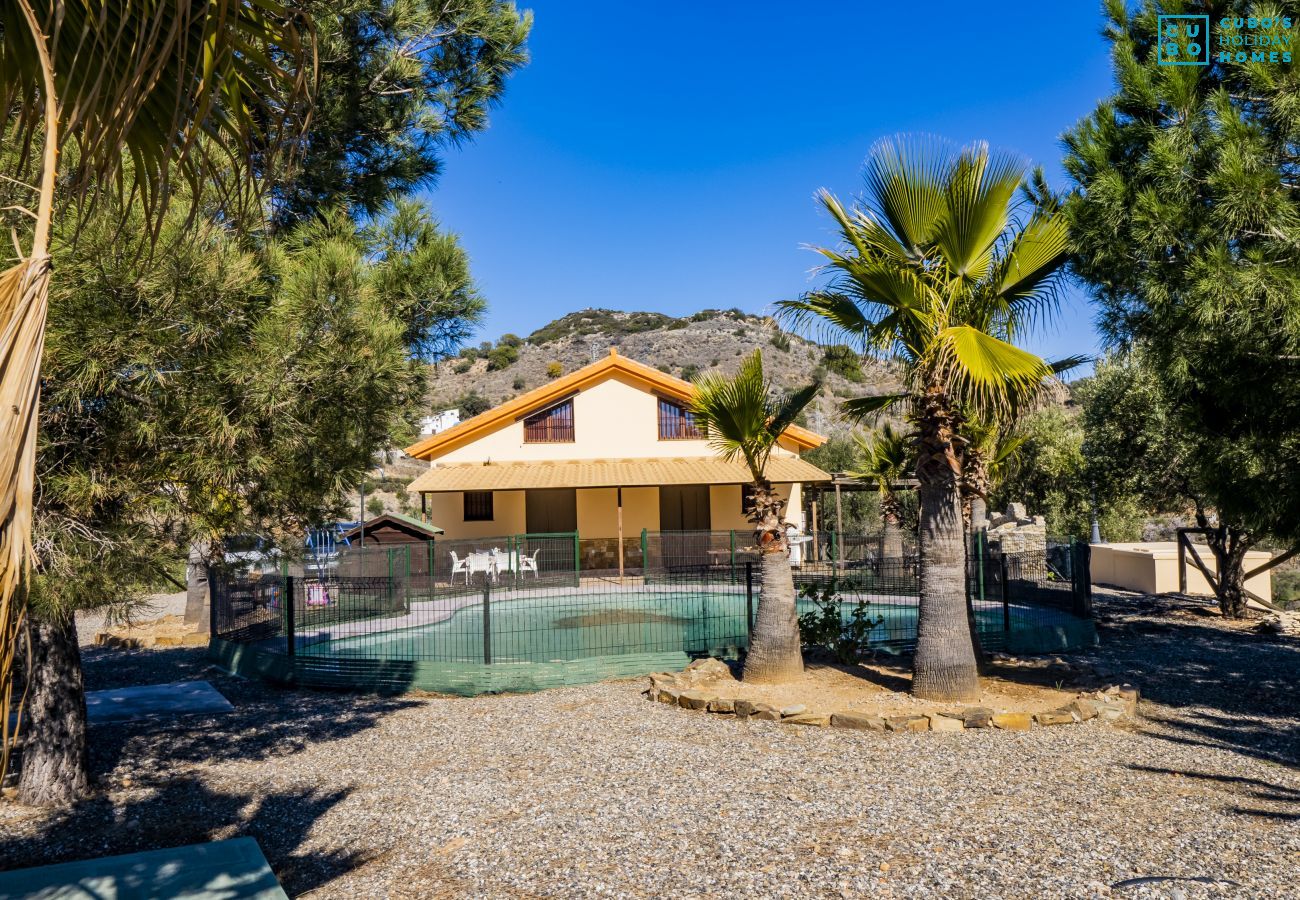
(439, 421)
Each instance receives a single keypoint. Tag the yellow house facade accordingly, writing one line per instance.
(606, 451)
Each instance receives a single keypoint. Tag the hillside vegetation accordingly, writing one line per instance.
(483, 376)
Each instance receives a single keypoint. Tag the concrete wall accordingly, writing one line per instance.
(725, 512)
(598, 511)
(1152, 568)
(447, 511)
(613, 419)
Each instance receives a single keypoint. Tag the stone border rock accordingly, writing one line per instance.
(689, 689)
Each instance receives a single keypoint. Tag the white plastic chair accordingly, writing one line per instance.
(529, 564)
(459, 565)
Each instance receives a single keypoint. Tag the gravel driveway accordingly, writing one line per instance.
(591, 791)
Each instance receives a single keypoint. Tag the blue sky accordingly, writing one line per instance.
(664, 156)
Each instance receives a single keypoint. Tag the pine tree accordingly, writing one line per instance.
(1186, 225)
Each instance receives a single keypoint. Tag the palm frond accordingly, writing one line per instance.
(977, 194)
(1028, 276)
(905, 179)
(1067, 364)
(860, 408)
(740, 417)
(787, 408)
(887, 454)
(986, 373)
(202, 92)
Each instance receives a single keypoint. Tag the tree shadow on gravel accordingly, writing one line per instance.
(1229, 689)
(1238, 786)
(267, 721)
(182, 811)
(181, 807)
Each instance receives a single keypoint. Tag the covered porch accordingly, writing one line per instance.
(608, 503)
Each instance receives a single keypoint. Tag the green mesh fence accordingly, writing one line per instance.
(519, 613)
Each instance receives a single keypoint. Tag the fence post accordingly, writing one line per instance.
(432, 581)
(645, 558)
(981, 550)
(1006, 607)
(577, 562)
(1081, 575)
(835, 550)
(487, 620)
(749, 600)
(389, 555)
(290, 639)
(733, 556)
(212, 600)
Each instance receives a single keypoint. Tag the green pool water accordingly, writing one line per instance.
(557, 628)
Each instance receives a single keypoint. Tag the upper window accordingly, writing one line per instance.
(676, 422)
(550, 426)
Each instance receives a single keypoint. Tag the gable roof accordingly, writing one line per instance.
(408, 522)
(539, 398)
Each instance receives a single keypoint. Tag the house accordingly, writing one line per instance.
(605, 451)
(439, 422)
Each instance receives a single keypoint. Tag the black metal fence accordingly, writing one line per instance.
(474, 615)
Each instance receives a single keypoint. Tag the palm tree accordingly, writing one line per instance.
(113, 96)
(938, 273)
(990, 450)
(887, 458)
(743, 417)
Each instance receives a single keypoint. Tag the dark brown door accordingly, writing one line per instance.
(551, 510)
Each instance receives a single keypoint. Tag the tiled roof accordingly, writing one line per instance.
(608, 473)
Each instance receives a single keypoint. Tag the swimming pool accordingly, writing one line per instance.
(555, 628)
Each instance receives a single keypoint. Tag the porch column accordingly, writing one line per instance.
(620, 535)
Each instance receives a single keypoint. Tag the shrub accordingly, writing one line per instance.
(375, 506)
(520, 384)
(844, 361)
(781, 341)
(463, 366)
(1286, 587)
(510, 340)
(824, 628)
(554, 370)
(502, 357)
(473, 403)
(689, 372)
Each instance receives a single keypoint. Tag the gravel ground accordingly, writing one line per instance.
(591, 791)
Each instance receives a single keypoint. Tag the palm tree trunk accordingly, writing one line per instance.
(775, 654)
(944, 667)
(55, 765)
(24, 302)
(891, 540)
(196, 587)
(979, 514)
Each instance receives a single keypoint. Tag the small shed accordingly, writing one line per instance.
(392, 528)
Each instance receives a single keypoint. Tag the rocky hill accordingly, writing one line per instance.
(483, 376)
